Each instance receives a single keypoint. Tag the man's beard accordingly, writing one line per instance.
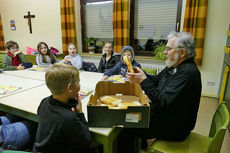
(170, 63)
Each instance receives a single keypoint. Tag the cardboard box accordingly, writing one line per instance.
(132, 117)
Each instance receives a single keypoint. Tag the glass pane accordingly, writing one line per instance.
(98, 19)
(153, 21)
(98, 22)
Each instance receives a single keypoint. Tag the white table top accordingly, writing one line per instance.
(29, 101)
(24, 83)
(35, 89)
(36, 75)
(89, 79)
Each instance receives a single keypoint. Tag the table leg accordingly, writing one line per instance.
(107, 141)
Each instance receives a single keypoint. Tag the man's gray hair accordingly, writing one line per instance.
(184, 40)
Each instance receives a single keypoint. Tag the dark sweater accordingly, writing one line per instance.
(175, 96)
(105, 66)
(60, 130)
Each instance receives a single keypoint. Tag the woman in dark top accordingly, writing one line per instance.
(109, 58)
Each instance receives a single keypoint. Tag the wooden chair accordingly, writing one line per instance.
(196, 143)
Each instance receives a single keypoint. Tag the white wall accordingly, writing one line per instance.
(46, 25)
(217, 23)
(218, 20)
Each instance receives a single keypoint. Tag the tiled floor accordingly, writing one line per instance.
(206, 111)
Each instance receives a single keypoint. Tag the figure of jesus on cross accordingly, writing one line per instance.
(29, 20)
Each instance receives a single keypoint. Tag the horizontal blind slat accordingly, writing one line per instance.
(154, 18)
(98, 20)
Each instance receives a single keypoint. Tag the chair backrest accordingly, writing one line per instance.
(1, 58)
(219, 125)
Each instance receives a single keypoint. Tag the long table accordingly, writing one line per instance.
(25, 101)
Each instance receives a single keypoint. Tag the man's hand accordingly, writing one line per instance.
(136, 77)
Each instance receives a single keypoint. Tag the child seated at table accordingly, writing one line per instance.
(62, 126)
(109, 58)
(45, 58)
(121, 68)
(73, 58)
(14, 59)
(16, 133)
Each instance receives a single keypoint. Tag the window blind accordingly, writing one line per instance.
(154, 18)
(98, 19)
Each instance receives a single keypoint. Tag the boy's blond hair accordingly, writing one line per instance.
(59, 76)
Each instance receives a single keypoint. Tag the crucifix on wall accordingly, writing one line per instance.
(29, 16)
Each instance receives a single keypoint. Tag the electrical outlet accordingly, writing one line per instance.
(210, 83)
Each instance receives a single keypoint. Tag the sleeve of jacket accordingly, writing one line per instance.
(40, 63)
(101, 66)
(55, 59)
(62, 61)
(114, 70)
(22, 58)
(117, 58)
(163, 98)
(6, 63)
(78, 62)
(139, 65)
(77, 131)
(135, 64)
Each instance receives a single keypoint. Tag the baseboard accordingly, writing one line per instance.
(210, 95)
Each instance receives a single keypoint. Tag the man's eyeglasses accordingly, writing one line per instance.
(169, 48)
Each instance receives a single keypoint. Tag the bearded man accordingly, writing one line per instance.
(174, 94)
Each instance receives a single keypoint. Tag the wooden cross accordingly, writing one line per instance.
(29, 20)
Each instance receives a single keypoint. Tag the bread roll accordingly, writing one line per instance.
(108, 100)
(129, 64)
(124, 105)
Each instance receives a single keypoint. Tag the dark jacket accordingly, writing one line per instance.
(120, 69)
(105, 66)
(175, 96)
(60, 129)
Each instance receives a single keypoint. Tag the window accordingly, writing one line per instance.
(150, 22)
(98, 22)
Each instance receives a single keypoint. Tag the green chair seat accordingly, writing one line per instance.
(194, 143)
(150, 71)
